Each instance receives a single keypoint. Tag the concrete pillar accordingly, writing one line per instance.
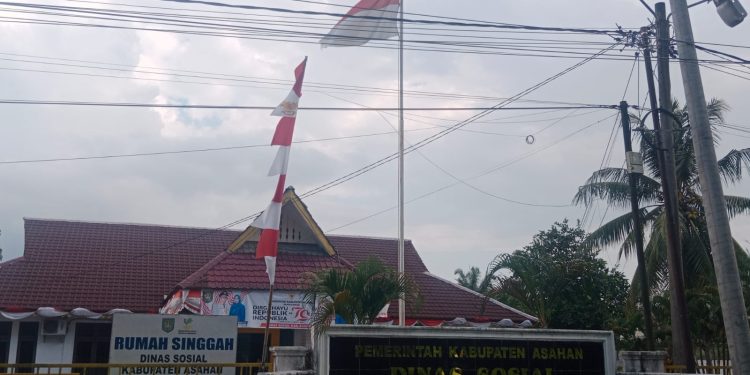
(653, 361)
(631, 361)
(643, 362)
(289, 360)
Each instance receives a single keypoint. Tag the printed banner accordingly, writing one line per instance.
(165, 344)
(289, 309)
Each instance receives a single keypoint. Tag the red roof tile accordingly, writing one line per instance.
(243, 271)
(100, 266)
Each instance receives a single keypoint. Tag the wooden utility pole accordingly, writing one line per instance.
(683, 354)
(635, 167)
(714, 204)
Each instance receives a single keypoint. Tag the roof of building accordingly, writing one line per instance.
(103, 266)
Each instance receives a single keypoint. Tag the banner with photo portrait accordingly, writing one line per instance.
(289, 309)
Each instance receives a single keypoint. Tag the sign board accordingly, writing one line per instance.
(459, 351)
(152, 339)
(289, 311)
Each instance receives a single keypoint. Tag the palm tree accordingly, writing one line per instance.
(473, 279)
(611, 185)
(468, 279)
(356, 295)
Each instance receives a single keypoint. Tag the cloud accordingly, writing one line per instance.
(454, 227)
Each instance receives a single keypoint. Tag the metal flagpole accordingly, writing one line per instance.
(401, 302)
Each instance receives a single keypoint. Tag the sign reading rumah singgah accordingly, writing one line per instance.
(459, 351)
(289, 309)
(198, 341)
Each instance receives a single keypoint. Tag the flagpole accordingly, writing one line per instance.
(267, 331)
(401, 302)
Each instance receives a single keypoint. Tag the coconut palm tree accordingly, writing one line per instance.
(469, 279)
(611, 186)
(357, 295)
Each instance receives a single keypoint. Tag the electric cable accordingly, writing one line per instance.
(458, 125)
(486, 172)
(268, 108)
(426, 141)
(454, 177)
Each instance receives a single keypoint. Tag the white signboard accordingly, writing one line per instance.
(289, 311)
(194, 340)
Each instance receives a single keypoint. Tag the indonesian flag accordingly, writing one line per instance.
(366, 21)
(288, 107)
(268, 222)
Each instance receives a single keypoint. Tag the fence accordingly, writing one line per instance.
(131, 369)
(700, 369)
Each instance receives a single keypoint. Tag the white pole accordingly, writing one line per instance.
(401, 302)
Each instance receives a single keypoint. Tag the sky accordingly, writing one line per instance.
(510, 191)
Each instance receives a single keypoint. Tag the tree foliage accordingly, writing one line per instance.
(560, 280)
(610, 185)
(468, 279)
(474, 280)
(355, 295)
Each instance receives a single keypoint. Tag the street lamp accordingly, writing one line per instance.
(730, 11)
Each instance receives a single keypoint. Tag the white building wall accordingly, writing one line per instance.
(49, 349)
(13, 342)
(302, 337)
(56, 349)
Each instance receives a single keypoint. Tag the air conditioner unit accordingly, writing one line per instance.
(54, 327)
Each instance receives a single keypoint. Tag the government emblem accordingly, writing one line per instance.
(167, 324)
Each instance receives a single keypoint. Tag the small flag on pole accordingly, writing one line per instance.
(268, 222)
(366, 21)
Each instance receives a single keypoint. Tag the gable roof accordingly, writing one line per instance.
(103, 266)
(241, 270)
(292, 206)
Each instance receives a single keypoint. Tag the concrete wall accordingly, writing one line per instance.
(59, 349)
(49, 349)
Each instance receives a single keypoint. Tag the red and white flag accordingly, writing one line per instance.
(268, 221)
(288, 108)
(366, 21)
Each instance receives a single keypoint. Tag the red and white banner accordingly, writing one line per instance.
(366, 21)
(268, 221)
(288, 108)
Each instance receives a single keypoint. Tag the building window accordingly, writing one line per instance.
(28, 335)
(5, 331)
(92, 346)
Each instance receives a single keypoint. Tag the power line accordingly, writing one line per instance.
(261, 80)
(112, 156)
(486, 172)
(455, 127)
(411, 21)
(152, 16)
(164, 21)
(268, 108)
(408, 47)
(287, 33)
(451, 175)
(426, 141)
(587, 214)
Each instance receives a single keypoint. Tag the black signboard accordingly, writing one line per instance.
(462, 356)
